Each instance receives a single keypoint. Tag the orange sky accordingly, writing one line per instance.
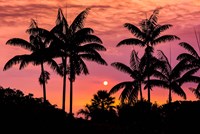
(106, 17)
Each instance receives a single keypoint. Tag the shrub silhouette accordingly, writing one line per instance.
(19, 112)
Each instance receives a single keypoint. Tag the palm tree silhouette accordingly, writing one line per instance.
(62, 31)
(148, 35)
(191, 61)
(101, 107)
(136, 72)
(170, 78)
(80, 44)
(39, 55)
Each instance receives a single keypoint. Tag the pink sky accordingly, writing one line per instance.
(106, 17)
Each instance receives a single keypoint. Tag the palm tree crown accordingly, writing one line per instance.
(170, 78)
(79, 44)
(148, 35)
(39, 55)
(191, 63)
(136, 72)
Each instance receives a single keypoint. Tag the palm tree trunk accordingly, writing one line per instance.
(71, 96)
(141, 96)
(170, 94)
(64, 60)
(43, 84)
(71, 87)
(148, 76)
(149, 89)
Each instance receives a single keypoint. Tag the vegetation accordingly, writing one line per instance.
(79, 44)
(20, 112)
(74, 44)
(131, 88)
(40, 50)
(148, 35)
(101, 109)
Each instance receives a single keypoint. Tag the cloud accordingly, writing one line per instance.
(12, 15)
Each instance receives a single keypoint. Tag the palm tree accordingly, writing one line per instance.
(148, 35)
(191, 62)
(136, 72)
(61, 30)
(79, 44)
(39, 55)
(170, 78)
(101, 108)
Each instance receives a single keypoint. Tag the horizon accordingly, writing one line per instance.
(107, 19)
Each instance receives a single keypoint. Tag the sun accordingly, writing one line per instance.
(105, 83)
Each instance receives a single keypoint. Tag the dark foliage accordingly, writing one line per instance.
(21, 113)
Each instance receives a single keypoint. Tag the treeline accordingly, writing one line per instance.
(26, 114)
(22, 113)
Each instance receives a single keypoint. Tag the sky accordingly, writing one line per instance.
(106, 17)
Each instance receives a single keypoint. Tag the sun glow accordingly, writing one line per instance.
(105, 83)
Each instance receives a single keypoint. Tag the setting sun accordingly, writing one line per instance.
(105, 83)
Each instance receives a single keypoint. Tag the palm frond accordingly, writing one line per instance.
(180, 68)
(154, 17)
(22, 43)
(126, 93)
(61, 23)
(83, 67)
(131, 41)
(87, 39)
(60, 17)
(190, 49)
(13, 61)
(53, 65)
(84, 31)
(163, 57)
(25, 62)
(178, 90)
(41, 32)
(119, 86)
(87, 50)
(156, 83)
(95, 46)
(196, 91)
(188, 78)
(134, 60)
(133, 94)
(186, 56)
(78, 66)
(162, 76)
(95, 58)
(135, 30)
(164, 38)
(33, 24)
(122, 67)
(159, 29)
(78, 22)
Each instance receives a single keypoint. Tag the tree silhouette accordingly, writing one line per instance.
(79, 44)
(169, 77)
(101, 107)
(39, 55)
(20, 111)
(148, 35)
(136, 72)
(191, 61)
